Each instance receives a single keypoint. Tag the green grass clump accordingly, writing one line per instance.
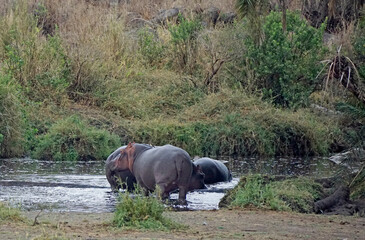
(142, 212)
(72, 139)
(256, 192)
(268, 132)
(8, 213)
(11, 119)
(296, 195)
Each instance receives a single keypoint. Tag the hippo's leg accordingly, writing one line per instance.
(182, 195)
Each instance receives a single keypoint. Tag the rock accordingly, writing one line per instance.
(134, 20)
(210, 16)
(227, 18)
(353, 155)
(138, 23)
(166, 15)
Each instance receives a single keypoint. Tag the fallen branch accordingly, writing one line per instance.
(36, 218)
(340, 196)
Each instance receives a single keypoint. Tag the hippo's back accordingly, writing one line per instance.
(214, 170)
(162, 164)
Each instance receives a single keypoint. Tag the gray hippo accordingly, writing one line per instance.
(118, 178)
(167, 166)
(214, 170)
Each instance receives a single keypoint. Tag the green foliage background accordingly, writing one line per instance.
(73, 92)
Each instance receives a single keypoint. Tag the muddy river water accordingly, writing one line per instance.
(82, 187)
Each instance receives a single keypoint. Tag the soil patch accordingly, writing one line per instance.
(219, 224)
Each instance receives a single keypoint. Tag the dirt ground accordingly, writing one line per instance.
(219, 224)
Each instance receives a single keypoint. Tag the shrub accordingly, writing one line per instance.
(286, 63)
(184, 43)
(151, 49)
(72, 139)
(141, 212)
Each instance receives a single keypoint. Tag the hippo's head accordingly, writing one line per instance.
(197, 178)
(125, 160)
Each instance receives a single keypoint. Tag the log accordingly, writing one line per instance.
(340, 196)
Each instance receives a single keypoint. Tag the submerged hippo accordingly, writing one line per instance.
(214, 170)
(167, 166)
(118, 178)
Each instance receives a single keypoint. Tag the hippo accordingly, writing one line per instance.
(214, 170)
(118, 179)
(167, 167)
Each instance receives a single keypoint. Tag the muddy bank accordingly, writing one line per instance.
(219, 224)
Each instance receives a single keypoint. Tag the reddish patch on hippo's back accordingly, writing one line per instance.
(126, 158)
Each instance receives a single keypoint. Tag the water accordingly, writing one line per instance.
(82, 187)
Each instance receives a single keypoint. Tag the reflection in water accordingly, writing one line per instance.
(82, 187)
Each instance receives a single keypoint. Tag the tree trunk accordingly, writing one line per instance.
(338, 12)
(283, 9)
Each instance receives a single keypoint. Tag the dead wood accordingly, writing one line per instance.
(340, 196)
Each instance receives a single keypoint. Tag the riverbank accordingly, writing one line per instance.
(219, 224)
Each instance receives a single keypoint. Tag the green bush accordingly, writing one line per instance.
(72, 139)
(11, 119)
(286, 63)
(151, 49)
(143, 212)
(184, 44)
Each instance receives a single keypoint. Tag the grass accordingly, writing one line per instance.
(72, 139)
(11, 119)
(141, 212)
(258, 191)
(8, 213)
(357, 185)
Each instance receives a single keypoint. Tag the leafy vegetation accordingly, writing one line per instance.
(184, 43)
(287, 75)
(143, 212)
